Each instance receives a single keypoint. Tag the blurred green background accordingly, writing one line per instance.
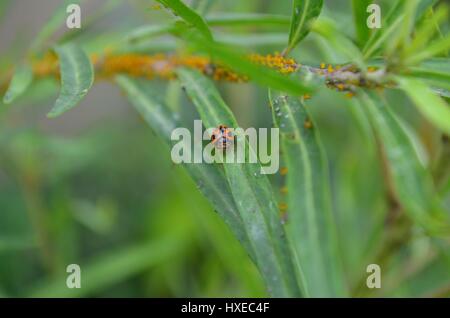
(96, 188)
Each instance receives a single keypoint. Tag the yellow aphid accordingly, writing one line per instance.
(283, 171)
(284, 190)
(282, 206)
(330, 69)
(306, 96)
(156, 7)
(322, 65)
(308, 124)
(349, 94)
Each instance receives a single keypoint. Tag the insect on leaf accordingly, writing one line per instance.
(251, 191)
(209, 178)
(77, 77)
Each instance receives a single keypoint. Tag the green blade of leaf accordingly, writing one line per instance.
(188, 15)
(304, 12)
(22, 78)
(77, 77)
(216, 19)
(203, 6)
(51, 26)
(437, 47)
(328, 30)
(402, 35)
(242, 19)
(111, 268)
(252, 40)
(411, 181)
(431, 106)
(379, 36)
(425, 32)
(360, 20)
(422, 8)
(260, 74)
(251, 191)
(209, 179)
(310, 226)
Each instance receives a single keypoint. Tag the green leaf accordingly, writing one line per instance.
(252, 40)
(426, 31)
(436, 110)
(310, 226)
(390, 24)
(50, 28)
(77, 77)
(188, 15)
(111, 268)
(328, 30)
(22, 78)
(360, 20)
(411, 181)
(433, 49)
(251, 191)
(304, 12)
(209, 178)
(202, 6)
(422, 8)
(222, 19)
(243, 19)
(257, 73)
(435, 72)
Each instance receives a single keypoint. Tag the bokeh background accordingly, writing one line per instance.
(96, 188)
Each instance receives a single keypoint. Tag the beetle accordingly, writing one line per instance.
(222, 137)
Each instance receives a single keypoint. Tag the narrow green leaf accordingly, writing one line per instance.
(215, 19)
(412, 182)
(242, 19)
(209, 178)
(425, 32)
(252, 40)
(433, 49)
(22, 78)
(422, 8)
(402, 35)
(328, 30)
(431, 106)
(203, 6)
(251, 191)
(77, 77)
(188, 15)
(257, 73)
(389, 23)
(55, 22)
(436, 73)
(310, 226)
(360, 20)
(148, 31)
(111, 268)
(304, 12)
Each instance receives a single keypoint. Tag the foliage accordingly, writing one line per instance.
(364, 144)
